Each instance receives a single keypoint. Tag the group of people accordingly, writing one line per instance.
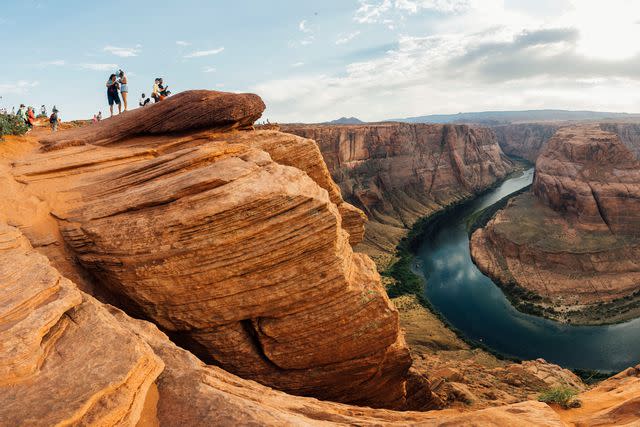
(159, 92)
(118, 85)
(28, 115)
(117, 82)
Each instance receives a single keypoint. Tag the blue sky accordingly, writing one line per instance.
(319, 60)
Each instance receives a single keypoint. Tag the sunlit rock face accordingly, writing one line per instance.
(399, 172)
(575, 239)
(235, 241)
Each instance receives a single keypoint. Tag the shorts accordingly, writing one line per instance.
(113, 98)
(124, 88)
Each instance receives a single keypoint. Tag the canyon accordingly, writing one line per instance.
(398, 173)
(175, 266)
(569, 247)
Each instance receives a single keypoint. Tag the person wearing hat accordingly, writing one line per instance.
(54, 119)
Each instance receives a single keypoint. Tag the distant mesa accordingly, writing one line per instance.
(346, 121)
(504, 117)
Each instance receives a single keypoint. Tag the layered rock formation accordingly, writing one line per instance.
(573, 242)
(68, 358)
(210, 235)
(399, 172)
(524, 140)
(57, 360)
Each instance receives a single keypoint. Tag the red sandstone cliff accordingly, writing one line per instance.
(574, 240)
(398, 172)
(132, 214)
(524, 140)
(239, 251)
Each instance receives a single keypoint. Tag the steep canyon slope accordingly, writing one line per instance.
(573, 242)
(399, 172)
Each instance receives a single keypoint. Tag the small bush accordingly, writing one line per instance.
(563, 396)
(11, 125)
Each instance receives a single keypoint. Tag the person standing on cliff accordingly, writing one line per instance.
(54, 120)
(112, 93)
(124, 87)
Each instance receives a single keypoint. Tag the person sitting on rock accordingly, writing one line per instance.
(164, 91)
(112, 93)
(144, 101)
(99, 115)
(43, 111)
(155, 94)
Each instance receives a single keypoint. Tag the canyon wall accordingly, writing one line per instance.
(524, 140)
(573, 242)
(399, 172)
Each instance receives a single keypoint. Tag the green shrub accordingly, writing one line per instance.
(11, 125)
(563, 396)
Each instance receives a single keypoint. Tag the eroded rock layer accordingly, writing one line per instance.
(58, 364)
(234, 243)
(524, 140)
(574, 240)
(399, 172)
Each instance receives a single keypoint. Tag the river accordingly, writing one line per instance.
(473, 304)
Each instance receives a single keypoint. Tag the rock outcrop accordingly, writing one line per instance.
(572, 243)
(67, 358)
(57, 360)
(399, 172)
(524, 140)
(233, 242)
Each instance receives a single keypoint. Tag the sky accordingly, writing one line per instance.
(314, 61)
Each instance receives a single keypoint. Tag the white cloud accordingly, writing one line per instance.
(183, 43)
(385, 11)
(201, 53)
(498, 68)
(302, 26)
(124, 52)
(55, 62)
(297, 64)
(19, 87)
(99, 67)
(346, 38)
(369, 13)
(209, 70)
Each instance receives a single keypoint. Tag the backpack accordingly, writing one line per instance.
(53, 118)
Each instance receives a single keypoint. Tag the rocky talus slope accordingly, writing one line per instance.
(572, 244)
(399, 172)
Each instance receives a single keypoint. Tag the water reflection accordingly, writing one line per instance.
(475, 305)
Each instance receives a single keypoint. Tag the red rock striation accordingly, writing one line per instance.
(575, 239)
(399, 172)
(590, 175)
(234, 243)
